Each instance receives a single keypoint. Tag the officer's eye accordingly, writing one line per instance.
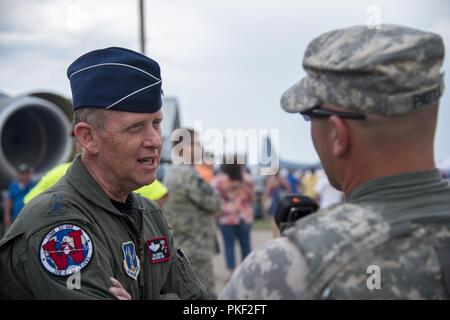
(157, 122)
(136, 128)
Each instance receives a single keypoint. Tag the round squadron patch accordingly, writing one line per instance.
(65, 250)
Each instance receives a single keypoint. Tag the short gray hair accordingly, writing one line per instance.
(96, 117)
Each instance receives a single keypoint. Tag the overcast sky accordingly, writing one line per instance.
(227, 61)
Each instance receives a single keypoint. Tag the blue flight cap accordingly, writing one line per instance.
(116, 79)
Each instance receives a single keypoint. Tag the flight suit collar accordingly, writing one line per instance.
(80, 178)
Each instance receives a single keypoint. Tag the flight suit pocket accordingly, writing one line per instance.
(192, 288)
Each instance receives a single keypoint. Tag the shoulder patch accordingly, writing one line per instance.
(57, 204)
(66, 249)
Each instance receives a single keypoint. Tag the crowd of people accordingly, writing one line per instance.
(372, 97)
(198, 200)
(219, 197)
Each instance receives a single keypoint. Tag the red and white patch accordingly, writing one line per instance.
(65, 250)
(158, 249)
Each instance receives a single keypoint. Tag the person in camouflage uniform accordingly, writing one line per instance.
(191, 209)
(372, 98)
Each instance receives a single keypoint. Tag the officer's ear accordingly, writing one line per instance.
(340, 137)
(85, 134)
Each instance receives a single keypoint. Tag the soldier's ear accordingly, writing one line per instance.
(340, 137)
(86, 136)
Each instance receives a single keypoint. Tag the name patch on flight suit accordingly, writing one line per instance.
(158, 249)
(65, 250)
(131, 261)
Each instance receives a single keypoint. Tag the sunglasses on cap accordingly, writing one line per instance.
(319, 112)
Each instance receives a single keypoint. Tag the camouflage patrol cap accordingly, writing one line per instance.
(390, 71)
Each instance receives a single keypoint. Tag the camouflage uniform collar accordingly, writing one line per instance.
(80, 178)
(399, 186)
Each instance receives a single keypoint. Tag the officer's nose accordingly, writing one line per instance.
(153, 139)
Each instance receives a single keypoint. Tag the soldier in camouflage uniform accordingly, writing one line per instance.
(191, 209)
(372, 97)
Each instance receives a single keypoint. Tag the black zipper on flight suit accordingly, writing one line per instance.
(135, 233)
(138, 225)
(133, 219)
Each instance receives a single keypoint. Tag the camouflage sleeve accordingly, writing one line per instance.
(202, 194)
(274, 271)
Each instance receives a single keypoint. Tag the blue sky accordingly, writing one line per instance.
(228, 62)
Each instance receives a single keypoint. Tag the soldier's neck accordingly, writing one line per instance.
(361, 172)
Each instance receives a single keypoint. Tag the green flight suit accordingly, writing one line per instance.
(27, 271)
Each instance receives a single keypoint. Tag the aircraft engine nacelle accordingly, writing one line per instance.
(34, 129)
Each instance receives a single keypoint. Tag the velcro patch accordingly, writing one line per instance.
(65, 250)
(131, 261)
(158, 249)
